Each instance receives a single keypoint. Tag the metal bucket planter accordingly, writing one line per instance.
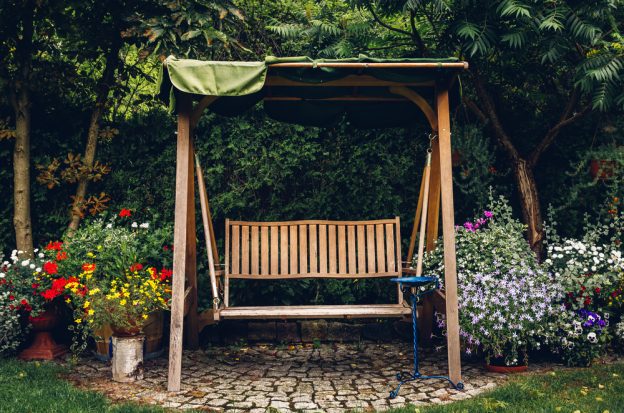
(127, 363)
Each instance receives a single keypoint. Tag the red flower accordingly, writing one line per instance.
(11, 297)
(35, 286)
(136, 267)
(165, 248)
(587, 301)
(597, 289)
(24, 302)
(165, 274)
(583, 288)
(86, 267)
(61, 255)
(54, 246)
(50, 294)
(50, 267)
(125, 213)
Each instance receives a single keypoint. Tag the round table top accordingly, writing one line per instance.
(414, 280)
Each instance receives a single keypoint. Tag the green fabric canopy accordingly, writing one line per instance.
(241, 85)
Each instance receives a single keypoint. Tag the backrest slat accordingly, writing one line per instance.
(381, 251)
(274, 250)
(264, 250)
(390, 248)
(322, 230)
(283, 250)
(361, 249)
(313, 249)
(255, 251)
(304, 249)
(294, 268)
(370, 247)
(245, 249)
(351, 248)
(331, 234)
(342, 250)
(235, 249)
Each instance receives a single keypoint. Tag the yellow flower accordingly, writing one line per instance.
(135, 302)
(94, 291)
(122, 302)
(78, 320)
(99, 248)
(67, 300)
(91, 312)
(144, 316)
(86, 304)
(90, 254)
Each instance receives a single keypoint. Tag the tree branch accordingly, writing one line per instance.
(416, 35)
(384, 24)
(567, 117)
(489, 111)
(475, 109)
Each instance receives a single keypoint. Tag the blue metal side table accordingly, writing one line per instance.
(413, 285)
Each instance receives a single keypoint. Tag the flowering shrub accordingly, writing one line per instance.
(505, 297)
(583, 336)
(116, 243)
(590, 274)
(11, 334)
(124, 301)
(619, 334)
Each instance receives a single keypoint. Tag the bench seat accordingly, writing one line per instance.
(316, 311)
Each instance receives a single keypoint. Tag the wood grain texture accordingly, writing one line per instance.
(322, 249)
(235, 249)
(294, 251)
(317, 311)
(351, 249)
(179, 241)
(275, 255)
(433, 221)
(303, 249)
(361, 249)
(370, 248)
(283, 249)
(448, 230)
(390, 253)
(332, 253)
(191, 323)
(255, 250)
(245, 267)
(342, 249)
(264, 250)
(380, 240)
(313, 248)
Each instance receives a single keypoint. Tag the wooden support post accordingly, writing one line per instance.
(448, 230)
(434, 196)
(191, 324)
(410, 251)
(179, 242)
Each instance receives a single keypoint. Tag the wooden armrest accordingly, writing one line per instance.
(410, 271)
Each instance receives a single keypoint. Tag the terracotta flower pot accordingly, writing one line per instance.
(43, 346)
(506, 369)
(602, 169)
(128, 331)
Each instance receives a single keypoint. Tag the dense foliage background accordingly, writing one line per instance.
(259, 169)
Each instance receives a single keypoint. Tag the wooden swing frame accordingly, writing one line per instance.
(186, 322)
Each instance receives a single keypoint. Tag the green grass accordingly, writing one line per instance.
(36, 387)
(594, 390)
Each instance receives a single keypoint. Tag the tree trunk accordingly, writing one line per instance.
(530, 204)
(20, 100)
(21, 173)
(104, 87)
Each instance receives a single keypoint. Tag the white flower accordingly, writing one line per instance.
(38, 269)
(134, 225)
(36, 249)
(25, 263)
(32, 266)
(109, 226)
(144, 225)
(41, 255)
(591, 337)
(2, 275)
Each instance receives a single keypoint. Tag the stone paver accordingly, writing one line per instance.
(261, 378)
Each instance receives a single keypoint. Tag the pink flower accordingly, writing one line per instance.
(488, 214)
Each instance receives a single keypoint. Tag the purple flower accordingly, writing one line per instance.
(488, 214)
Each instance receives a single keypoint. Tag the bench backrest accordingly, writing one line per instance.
(310, 249)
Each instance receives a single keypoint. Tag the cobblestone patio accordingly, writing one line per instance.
(329, 378)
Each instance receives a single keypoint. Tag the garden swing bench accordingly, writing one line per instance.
(367, 93)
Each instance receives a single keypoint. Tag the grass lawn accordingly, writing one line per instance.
(36, 387)
(599, 389)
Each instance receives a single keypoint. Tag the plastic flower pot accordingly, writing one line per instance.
(43, 346)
